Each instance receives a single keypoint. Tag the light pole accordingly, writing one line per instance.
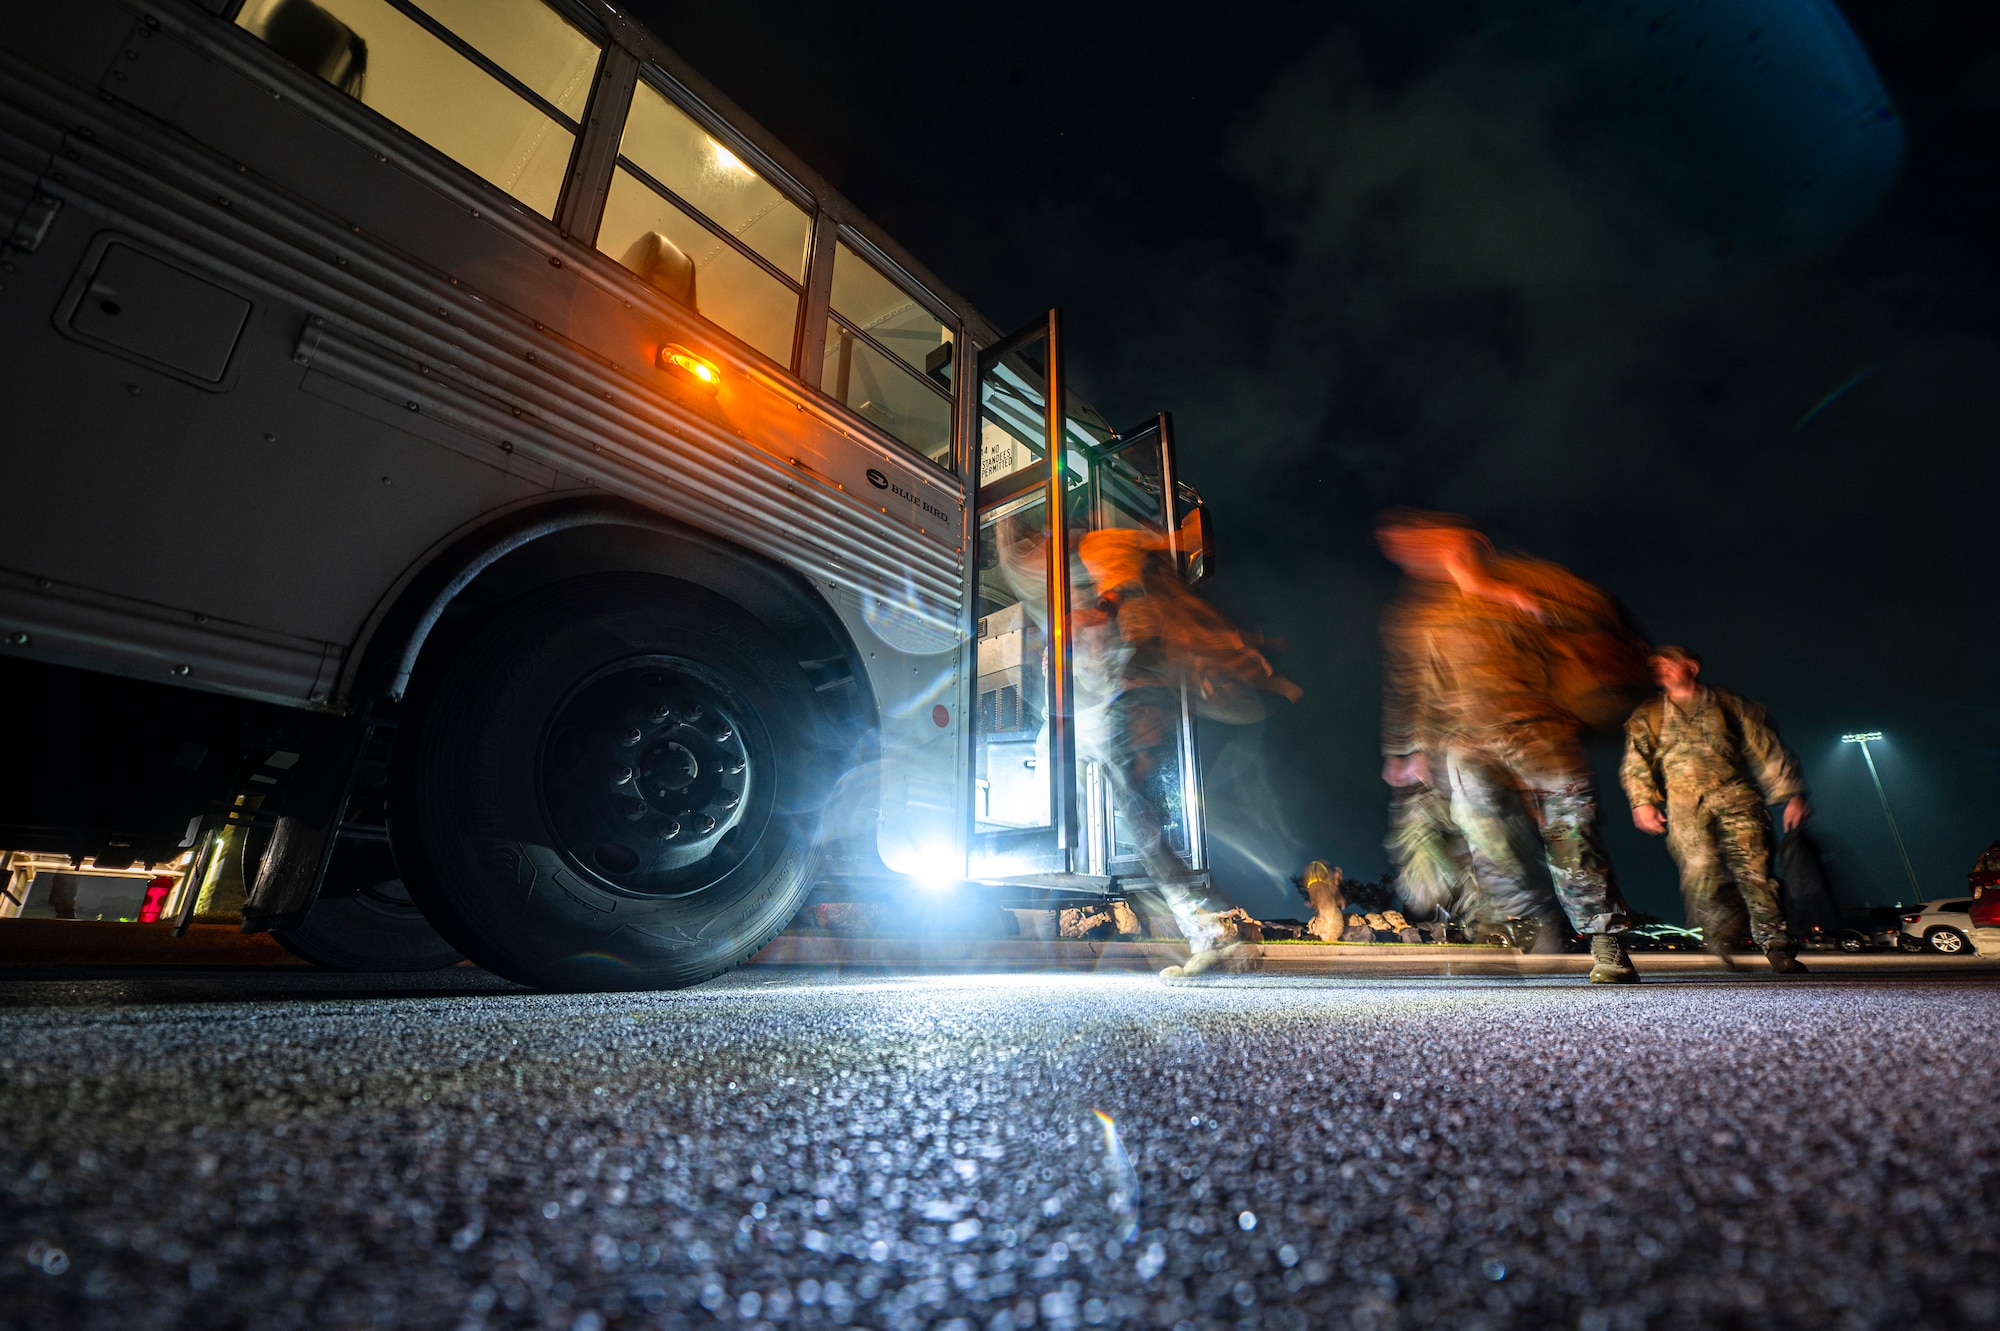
(1883, 795)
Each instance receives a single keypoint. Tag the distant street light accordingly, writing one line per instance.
(1862, 739)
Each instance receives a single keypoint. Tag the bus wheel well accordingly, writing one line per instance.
(494, 568)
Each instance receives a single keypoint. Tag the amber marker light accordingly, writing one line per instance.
(678, 360)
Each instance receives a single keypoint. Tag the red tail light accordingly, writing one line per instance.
(1911, 919)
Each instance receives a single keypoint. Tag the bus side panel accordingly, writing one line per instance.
(913, 668)
(290, 132)
(78, 41)
(292, 146)
(227, 503)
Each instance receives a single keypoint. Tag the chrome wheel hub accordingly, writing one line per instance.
(645, 774)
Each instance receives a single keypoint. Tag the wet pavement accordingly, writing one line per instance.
(788, 1149)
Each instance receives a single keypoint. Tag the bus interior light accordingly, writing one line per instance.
(677, 360)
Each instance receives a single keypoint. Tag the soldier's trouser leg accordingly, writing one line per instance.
(1716, 843)
(1578, 863)
(1427, 852)
(1500, 841)
(1547, 769)
(1140, 760)
(1691, 843)
(1743, 832)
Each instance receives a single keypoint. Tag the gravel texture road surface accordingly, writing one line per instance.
(789, 1150)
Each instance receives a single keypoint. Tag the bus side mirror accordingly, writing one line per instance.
(1197, 544)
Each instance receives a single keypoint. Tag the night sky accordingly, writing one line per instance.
(1582, 270)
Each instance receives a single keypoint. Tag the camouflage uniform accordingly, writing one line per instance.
(1128, 691)
(1433, 869)
(1472, 684)
(1714, 764)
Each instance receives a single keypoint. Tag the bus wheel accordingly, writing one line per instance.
(613, 786)
(364, 919)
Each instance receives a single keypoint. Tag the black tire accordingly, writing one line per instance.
(1853, 942)
(1947, 942)
(364, 919)
(614, 785)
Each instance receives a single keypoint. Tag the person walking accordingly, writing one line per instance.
(1486, 662)
(1701, 766)
(1144, 640)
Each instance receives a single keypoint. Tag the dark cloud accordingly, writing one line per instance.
(1500, 261)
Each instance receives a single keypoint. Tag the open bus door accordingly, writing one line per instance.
(1043, 810)
(1133, 485)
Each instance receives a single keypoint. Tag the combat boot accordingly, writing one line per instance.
(1611, 963)
(1215, 942)
(1782, 961)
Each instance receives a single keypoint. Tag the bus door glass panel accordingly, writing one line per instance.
(704, 227)
(1132, 711)
(1013, 414)
(1020, 733)
(1013, 436)
(499, 86)
(888, 357)
(1011, 768)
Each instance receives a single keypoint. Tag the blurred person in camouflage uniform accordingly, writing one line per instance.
(1701, 765)
(1144, 640)
(1493, 666)
(1433, 869)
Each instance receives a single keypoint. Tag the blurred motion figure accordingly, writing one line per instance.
(1493, 667)
(1701, 765)
(1433, 867)
(1143, 636)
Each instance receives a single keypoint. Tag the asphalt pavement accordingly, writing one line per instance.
(785, 1148)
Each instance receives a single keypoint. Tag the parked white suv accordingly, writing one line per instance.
(1943, 927)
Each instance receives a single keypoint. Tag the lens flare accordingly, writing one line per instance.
(1123, 1178)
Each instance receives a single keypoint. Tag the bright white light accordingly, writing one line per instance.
(726, 159)
(1861, 738)
(936, 869)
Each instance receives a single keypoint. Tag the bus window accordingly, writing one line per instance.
(530, 41)
(1129, 490)
(692, 218)
(513, 122)
(888, 357)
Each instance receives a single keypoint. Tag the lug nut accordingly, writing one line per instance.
(727, 799)
(734, 767)
(634, 736)
(672, 830)
(663, 712)
(704, 825)
(724, 735)
(624, 776)
(695, 712)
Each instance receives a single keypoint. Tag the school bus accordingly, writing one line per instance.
(462, 465)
